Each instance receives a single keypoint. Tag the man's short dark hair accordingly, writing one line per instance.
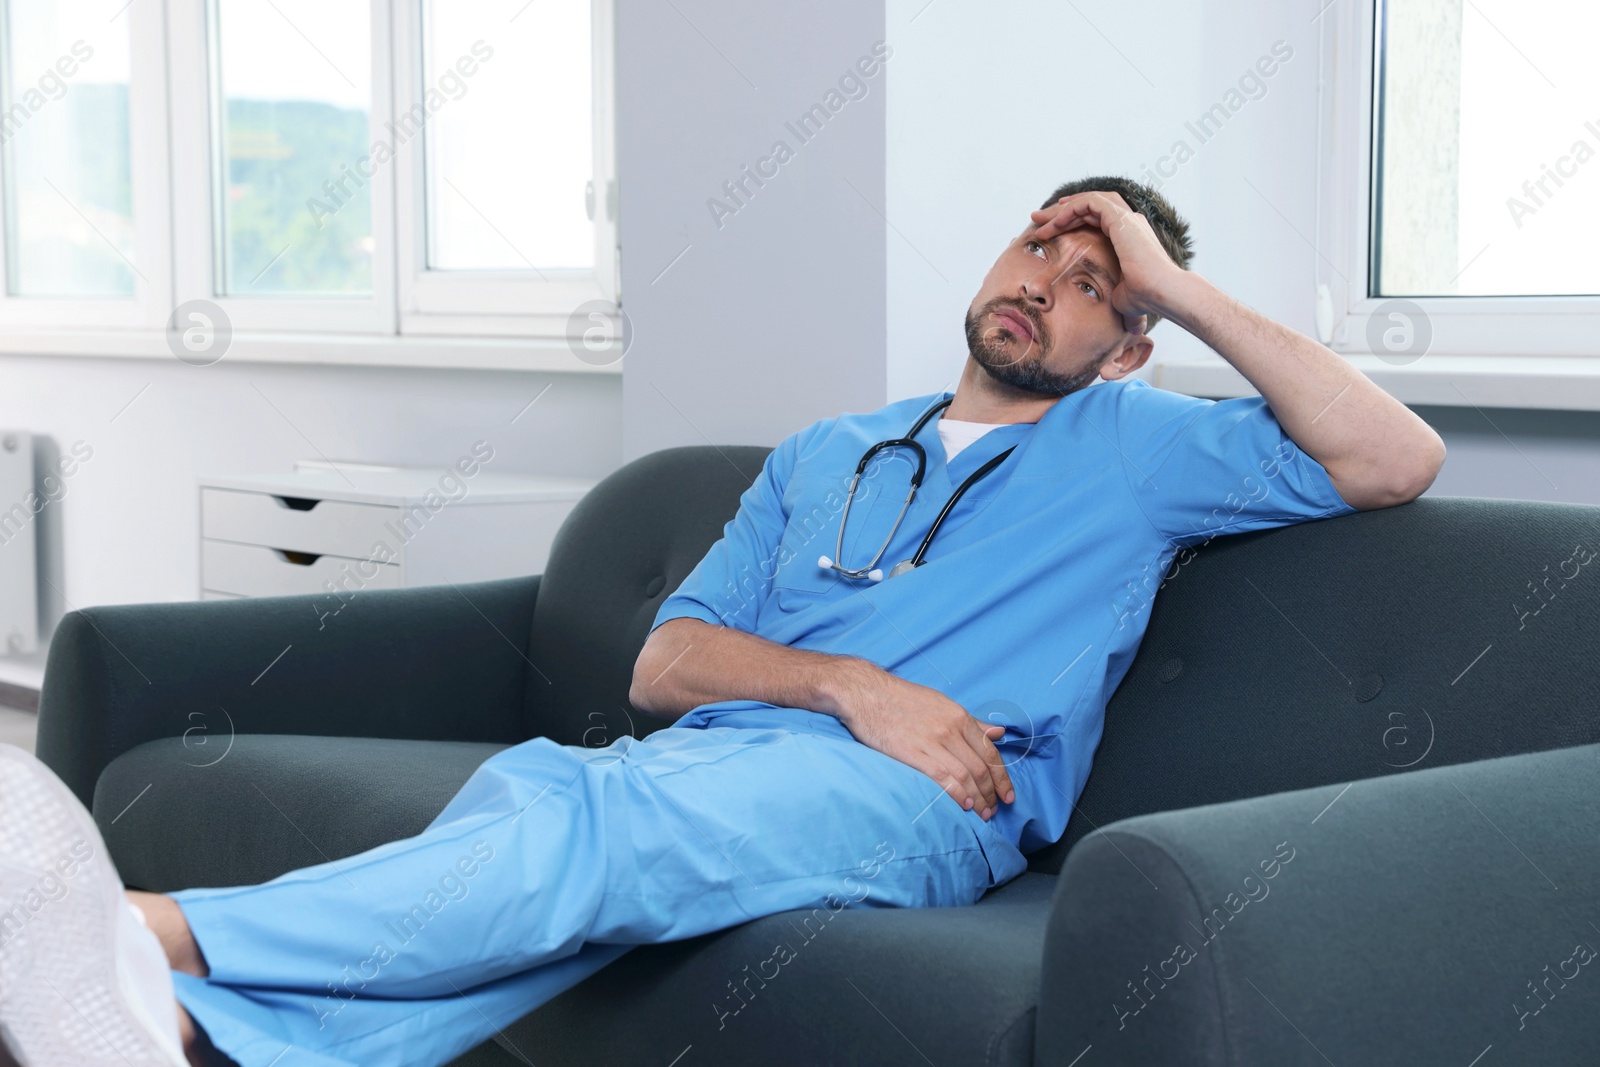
(1170, 228)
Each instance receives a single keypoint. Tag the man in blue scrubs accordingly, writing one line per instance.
(850, 729)
(1028, 607)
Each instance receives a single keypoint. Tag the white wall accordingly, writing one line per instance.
(992, 106)
(1517, 454)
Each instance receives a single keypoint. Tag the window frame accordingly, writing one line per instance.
(1501, 326)
(148, 175)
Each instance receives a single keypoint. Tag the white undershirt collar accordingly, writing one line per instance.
(957, 434)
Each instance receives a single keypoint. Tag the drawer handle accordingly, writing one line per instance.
(296, 503)
(299, 559)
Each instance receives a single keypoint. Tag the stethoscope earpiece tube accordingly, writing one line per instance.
(972, 479)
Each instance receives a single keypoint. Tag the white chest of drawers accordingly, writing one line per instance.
(343, 528)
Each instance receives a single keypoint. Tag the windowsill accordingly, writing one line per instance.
(449, 353)
(1570, 383)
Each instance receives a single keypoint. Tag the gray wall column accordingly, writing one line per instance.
(753, 276)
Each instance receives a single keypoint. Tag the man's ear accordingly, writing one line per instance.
(1129, 359)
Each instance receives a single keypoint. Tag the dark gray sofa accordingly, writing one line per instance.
(1396, 653)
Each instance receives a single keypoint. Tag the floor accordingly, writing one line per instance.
(18, 727)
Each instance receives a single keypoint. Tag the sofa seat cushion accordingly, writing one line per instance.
(177, 815)
(863, 985)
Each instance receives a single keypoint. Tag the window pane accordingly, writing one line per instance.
(509, 135)
(1486, 169)
(68, 188)
(296, 94)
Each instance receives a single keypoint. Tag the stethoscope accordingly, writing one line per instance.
(871, 570)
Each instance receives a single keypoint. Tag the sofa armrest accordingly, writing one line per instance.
(1418, 919)
(429, 663)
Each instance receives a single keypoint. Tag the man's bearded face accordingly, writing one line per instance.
(1043, 323)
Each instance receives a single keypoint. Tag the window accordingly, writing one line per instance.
(334, 173)
(83, 172)
(64, 124)
(491, 203)
(1461, 174)
(292, 97)
(507, 201)
(1482, 180)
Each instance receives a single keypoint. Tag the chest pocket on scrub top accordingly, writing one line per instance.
(816, 505)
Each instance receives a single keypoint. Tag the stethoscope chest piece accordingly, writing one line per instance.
(876, 573)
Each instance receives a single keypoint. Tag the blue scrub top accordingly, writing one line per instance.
(1035, 592)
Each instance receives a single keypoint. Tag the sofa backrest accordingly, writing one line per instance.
(1442, 631)
(627, 545)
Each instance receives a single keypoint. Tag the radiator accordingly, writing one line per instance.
(20, 504)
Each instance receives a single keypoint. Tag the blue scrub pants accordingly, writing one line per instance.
(552, 861)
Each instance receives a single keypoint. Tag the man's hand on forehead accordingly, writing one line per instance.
(1147, 270)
